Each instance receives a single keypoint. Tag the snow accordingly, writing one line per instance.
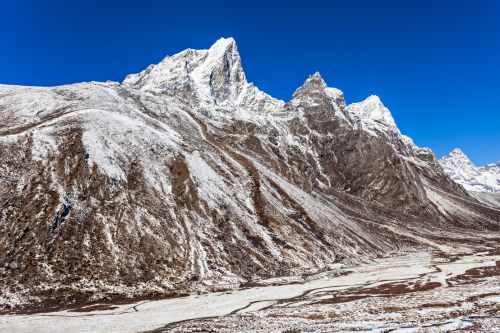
(122, 133)
(143, 316)
(372, 115)
(210, 184)
(216, 74)
(461, 169)
(495, 299)
(143, 121)
(224, 50)
(456, 324)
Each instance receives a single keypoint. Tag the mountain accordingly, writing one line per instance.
(209, 77)
(187, 178)
(472, 178)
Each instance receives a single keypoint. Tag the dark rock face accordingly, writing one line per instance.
(361, 164)
(227, 74)
(145, 188)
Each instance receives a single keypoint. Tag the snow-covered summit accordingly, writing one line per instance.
(472, 178)
(458, 154)
(314, 94)
(314, 85)
(372, 115)
(315, 79)
(213, 76)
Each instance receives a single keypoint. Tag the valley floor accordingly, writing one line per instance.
(404, 293)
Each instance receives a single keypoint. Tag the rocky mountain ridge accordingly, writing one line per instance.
(187, 178)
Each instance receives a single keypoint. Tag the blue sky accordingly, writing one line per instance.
(435, 64)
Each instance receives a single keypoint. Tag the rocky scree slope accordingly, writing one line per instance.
(185, 177)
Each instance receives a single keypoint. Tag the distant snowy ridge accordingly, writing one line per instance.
(466, 173)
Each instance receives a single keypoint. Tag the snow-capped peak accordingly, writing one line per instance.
(224, 47)
(314, 92)
(220, 77)
(460, 168)
(315, 79)
(315, 84)
(213, 76)
(373, 114)
(223, 44)
(457, 154)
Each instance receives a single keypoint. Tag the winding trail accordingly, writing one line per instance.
(59, 115)
(48, 119)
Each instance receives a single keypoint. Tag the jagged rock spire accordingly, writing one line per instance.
(213, 76)
(220, 76)
(313, 84)
(315, 79)
(318, 101)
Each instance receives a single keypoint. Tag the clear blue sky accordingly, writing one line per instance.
(435, 64)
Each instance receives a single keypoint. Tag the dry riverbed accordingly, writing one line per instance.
(412, 292)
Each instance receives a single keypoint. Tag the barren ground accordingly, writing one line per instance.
(410, 292)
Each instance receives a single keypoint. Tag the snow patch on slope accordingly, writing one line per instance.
(124, 132)
(211, 185)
